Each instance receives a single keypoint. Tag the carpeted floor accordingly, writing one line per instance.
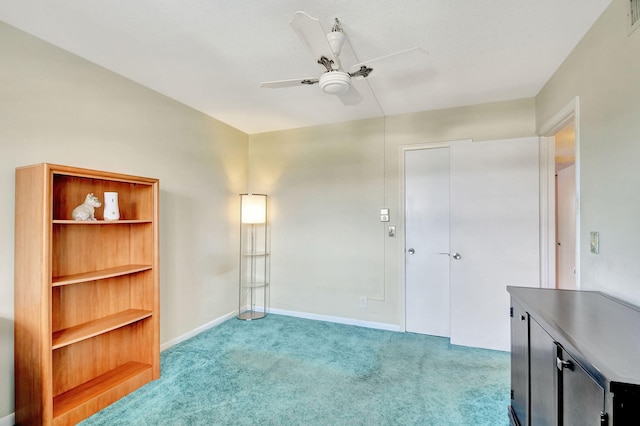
(289, 371)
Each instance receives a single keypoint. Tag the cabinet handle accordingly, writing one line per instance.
(561, 364)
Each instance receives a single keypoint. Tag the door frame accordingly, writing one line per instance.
(570, 113)
(402, 293)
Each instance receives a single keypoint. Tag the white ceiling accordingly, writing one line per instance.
(213, 54)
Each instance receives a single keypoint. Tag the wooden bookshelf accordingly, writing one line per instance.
(86, 293)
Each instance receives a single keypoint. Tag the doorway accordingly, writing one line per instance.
(560, 199)
(565, 211)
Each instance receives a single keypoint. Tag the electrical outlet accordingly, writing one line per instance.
(363, 302)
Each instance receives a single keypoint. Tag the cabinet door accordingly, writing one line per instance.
(582, 398)
(543, 377)
(519, 362)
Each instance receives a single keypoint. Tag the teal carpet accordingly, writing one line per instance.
(289, 371)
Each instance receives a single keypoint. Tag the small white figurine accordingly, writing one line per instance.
(86, 210)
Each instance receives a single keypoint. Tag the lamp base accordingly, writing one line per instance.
(251, 315)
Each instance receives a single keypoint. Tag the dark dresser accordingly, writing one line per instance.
(575, 359)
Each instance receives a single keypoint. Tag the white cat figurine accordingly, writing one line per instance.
(86, 210)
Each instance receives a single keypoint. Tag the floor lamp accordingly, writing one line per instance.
(254, 257)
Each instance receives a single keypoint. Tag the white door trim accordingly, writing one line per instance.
(570, 112)
(401, 217)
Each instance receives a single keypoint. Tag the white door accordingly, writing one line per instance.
(495, 230)
(426, 238)
(566, 228)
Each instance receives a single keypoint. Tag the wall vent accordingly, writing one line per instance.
(634, 15)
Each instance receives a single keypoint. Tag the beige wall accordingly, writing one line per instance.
(327, 185)
(604, 71)
(58, 108)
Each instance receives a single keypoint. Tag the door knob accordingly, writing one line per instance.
(561, 364)
(456, 256)
(411, 251)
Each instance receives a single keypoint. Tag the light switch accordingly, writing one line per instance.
(392, 231)
(384, 215)
(595, 242)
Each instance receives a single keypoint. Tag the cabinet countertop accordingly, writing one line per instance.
(602, 332)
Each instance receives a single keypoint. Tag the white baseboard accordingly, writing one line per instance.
(305, 315)
(9, 420)
(195, 331)
(339, 320)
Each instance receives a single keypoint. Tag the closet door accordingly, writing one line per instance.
(427, 241)
(494, 235)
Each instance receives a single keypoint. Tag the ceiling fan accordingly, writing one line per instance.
(325, 49)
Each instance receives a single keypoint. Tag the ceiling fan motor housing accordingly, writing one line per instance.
(335, 82)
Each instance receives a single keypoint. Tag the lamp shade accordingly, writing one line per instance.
(253, 208)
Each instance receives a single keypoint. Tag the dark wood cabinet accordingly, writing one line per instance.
(542, 359)
(519, 360)
(582, 398)
(574, 359)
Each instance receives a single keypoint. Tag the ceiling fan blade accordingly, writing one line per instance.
(289, 83)
(351, 97)
(415, 53)
(312, 35)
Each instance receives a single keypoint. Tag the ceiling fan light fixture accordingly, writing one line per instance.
(335, 82)
(336, 38)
